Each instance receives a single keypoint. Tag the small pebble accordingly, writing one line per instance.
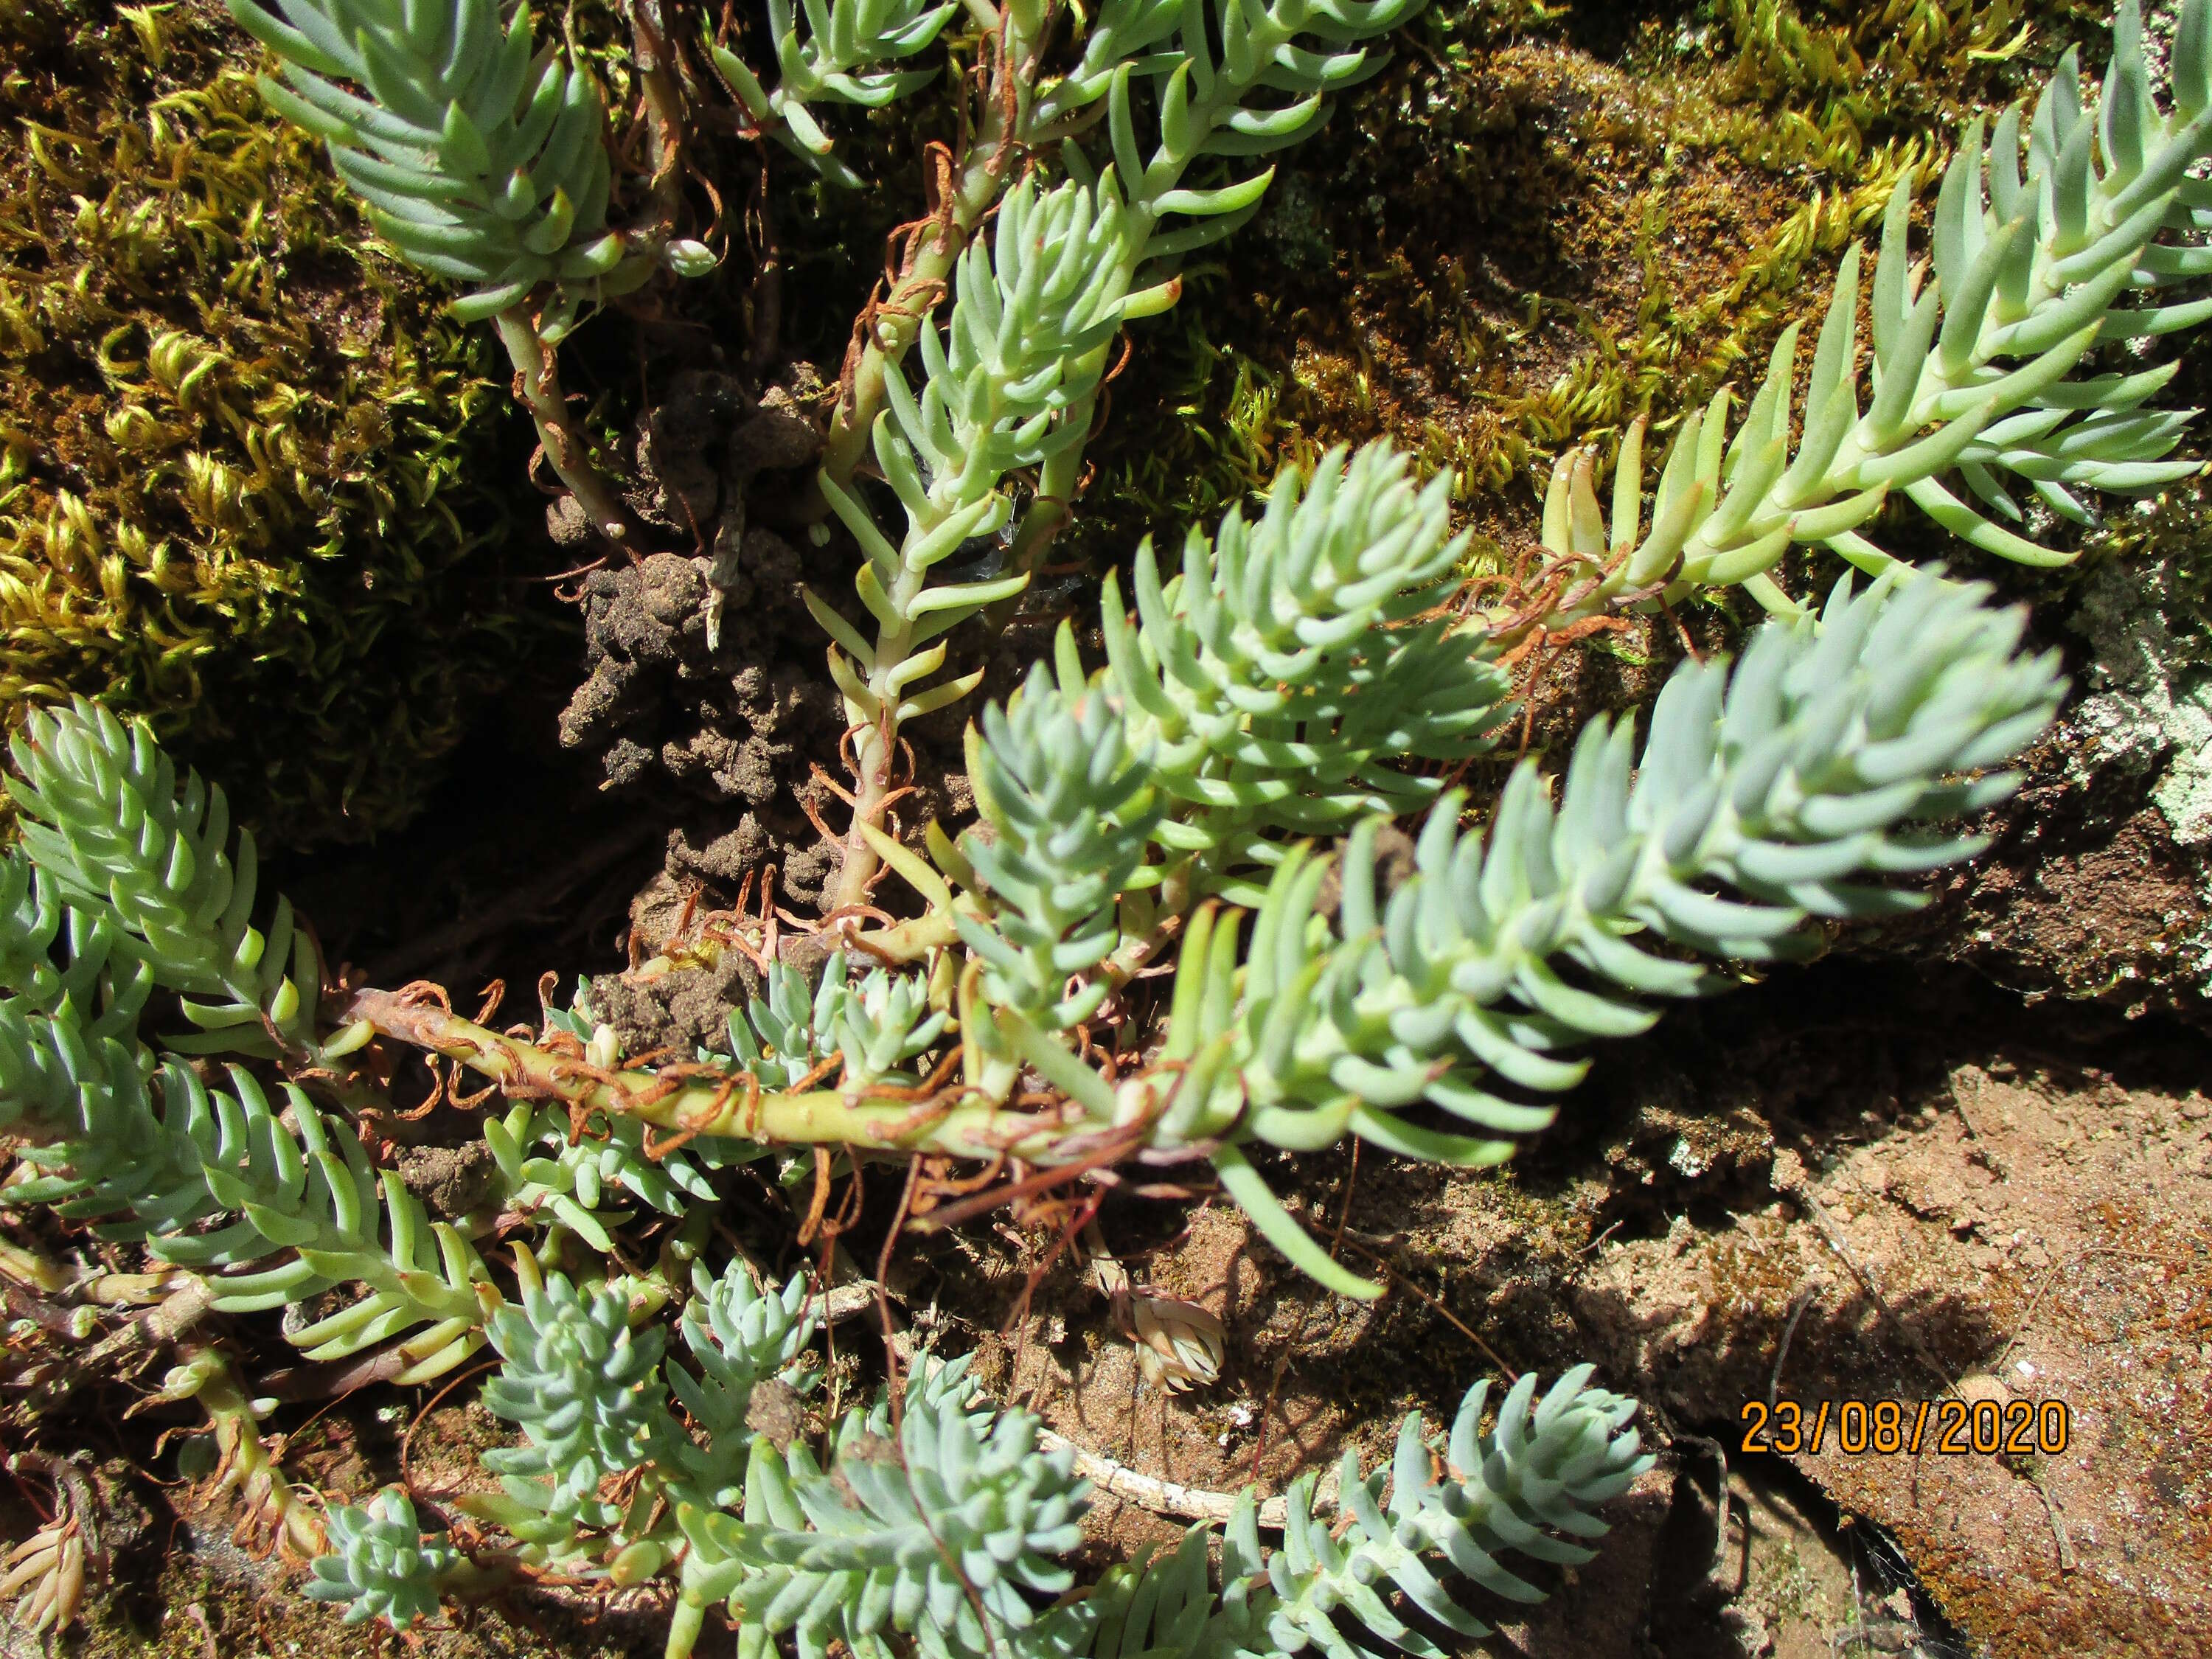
(1977, 1386)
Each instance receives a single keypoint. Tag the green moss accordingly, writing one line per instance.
(1555, 1225)
(243, 456)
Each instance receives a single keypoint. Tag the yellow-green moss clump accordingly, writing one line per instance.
(244, 477)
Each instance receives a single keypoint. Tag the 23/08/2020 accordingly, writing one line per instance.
(1889, 1428)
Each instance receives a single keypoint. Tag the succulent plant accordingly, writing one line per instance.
(2034, 259)
(585, 1390)
(1212, 805)
(380, 1563)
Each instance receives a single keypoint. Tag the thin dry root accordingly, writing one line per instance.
(1169, 1497)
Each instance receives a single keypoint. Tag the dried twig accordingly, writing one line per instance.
(1165, 1497)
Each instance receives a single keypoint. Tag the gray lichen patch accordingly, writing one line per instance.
(2147, 716)
(2149, 707)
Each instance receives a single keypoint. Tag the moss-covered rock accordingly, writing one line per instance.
(251, 480)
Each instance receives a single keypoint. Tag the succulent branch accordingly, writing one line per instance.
(158, 896)
(843, 55)
(480, 159)
(1294, 665)
(151, 868)
(381, 1564)
(1006, 389)
(2045, 231)
(1218, 78)
(154, 1156)
(1216, 75)
(1791, 779)
(1516, 1490)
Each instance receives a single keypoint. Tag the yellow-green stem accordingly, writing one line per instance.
(969, 1127)
(537, 385)
(875, 747)
(247, 1467)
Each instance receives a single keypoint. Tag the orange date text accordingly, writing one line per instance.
(1907, 1428)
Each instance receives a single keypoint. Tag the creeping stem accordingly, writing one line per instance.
(720, 1103)
(875, 746)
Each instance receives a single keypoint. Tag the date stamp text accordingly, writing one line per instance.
(1895, 1428)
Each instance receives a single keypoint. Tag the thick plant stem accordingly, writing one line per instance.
(664, 109)
(955, 1122)
(874, 749)
(1050, 511)
(911, 941)
(982, 173)
(537, 386)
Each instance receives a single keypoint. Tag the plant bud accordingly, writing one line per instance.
(1178, 1343)
(687, 257)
